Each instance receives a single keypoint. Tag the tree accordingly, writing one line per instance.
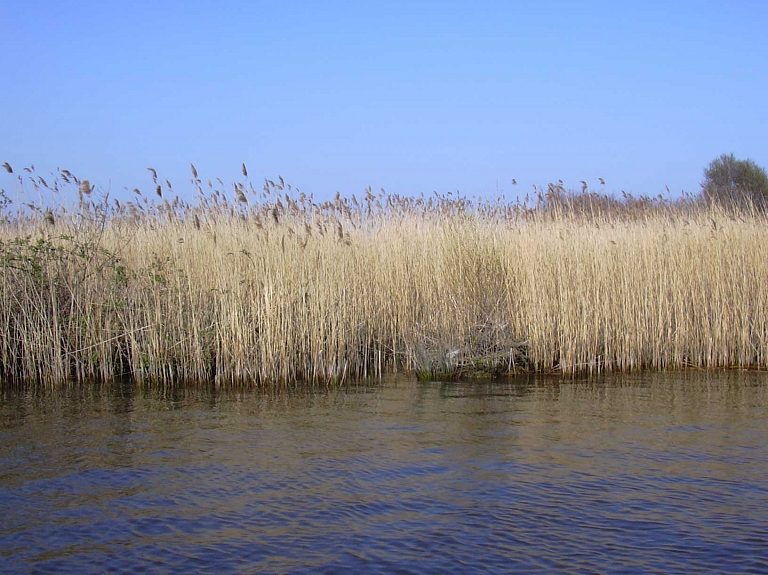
(735, 183)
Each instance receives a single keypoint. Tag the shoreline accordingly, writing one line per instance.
(272, 288)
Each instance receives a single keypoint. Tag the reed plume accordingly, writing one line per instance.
(282, 288)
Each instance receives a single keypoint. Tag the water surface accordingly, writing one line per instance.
(645, 473)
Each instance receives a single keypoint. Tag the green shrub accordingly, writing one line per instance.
(735, 183)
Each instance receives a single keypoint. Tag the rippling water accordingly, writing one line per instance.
(649, 473)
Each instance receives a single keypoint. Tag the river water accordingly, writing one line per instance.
(636, 474)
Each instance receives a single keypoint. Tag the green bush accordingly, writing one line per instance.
(735, 183)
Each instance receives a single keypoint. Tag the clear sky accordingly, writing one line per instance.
(409, 96)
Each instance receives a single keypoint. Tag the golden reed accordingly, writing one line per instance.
(266, 286)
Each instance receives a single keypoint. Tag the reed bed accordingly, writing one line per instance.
(265, 286)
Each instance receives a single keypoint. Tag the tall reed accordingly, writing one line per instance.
(267, 286)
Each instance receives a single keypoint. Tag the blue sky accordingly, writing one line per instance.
(408, 96)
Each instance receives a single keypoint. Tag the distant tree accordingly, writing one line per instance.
(735, 183)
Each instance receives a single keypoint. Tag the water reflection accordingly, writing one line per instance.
(634, 473)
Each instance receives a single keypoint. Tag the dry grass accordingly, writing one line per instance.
(269, 287)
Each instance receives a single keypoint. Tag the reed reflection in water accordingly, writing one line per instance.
(646, 473)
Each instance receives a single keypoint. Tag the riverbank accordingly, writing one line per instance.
(267, 286)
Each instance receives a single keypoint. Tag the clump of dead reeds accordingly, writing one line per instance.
(267, 285)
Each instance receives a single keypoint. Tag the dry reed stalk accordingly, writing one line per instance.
(429, 285)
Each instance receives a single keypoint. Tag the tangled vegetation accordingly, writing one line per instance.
(267, 286)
